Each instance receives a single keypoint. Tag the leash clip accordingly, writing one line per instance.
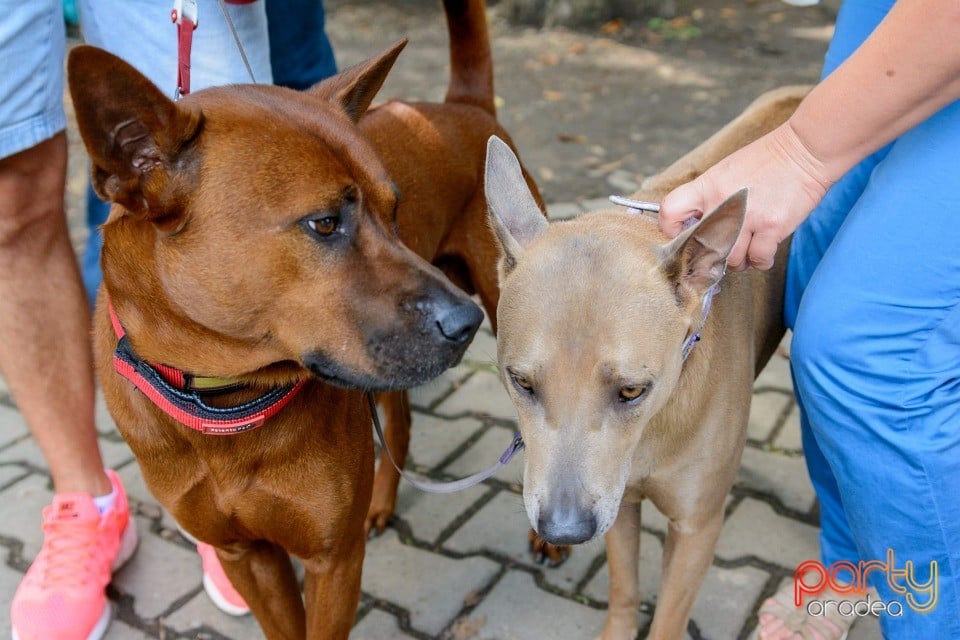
(635, 206)
(184, 10)
(515, 446)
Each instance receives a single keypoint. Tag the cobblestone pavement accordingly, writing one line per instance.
(453, 566)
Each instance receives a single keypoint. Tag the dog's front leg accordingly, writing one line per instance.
(687, 554)
(623, 558)
(332, 589)
(263, 575)
(396, 410)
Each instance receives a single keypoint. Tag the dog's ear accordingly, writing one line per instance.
(135, 135)
(511, 209)
(354, 88)
(698, 256)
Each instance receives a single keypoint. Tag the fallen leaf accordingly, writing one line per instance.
(613, 27)
(572, 137)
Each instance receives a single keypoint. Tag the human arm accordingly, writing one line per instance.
(906, 70)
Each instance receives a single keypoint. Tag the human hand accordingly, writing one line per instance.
(785, 183)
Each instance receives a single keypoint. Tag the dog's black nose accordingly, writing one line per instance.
(458, 322)
(566, 526)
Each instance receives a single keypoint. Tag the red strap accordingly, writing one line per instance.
(185, 29)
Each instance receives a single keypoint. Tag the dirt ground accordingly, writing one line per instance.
(593, 112)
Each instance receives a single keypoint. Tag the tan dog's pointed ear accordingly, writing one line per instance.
(136, 136)
(511, 209)
(355, 88)
(698, 256)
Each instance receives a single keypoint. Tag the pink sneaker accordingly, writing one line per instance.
(63, 594)
(217, 584)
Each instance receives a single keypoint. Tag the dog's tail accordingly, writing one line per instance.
(471, 63)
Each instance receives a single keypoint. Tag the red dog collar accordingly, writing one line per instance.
(178, 394)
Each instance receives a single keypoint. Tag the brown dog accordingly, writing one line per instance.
(600, 349)
(252, 243)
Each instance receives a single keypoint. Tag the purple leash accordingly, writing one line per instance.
(444, 487)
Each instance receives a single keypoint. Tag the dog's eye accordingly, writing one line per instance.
(324, 226)
(521, 383)
(631, 393)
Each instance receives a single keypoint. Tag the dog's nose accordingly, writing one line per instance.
(563, 519)
(566, 526)
(458, 322)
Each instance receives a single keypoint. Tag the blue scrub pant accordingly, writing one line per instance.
(873, 297)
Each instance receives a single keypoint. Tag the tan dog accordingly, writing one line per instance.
(597, 316)
(253, 263)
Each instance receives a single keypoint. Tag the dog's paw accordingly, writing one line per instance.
(545, 553)
(377, 521)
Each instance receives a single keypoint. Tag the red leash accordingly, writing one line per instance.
(185, 15)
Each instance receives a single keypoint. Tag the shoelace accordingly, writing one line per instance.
(69, 550)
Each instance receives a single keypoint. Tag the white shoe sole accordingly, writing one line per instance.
(219, 601)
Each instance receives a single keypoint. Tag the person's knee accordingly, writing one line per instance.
(32, 192)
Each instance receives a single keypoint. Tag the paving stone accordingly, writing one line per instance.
(137, 490)
(120, 630)
(516, 609)
(765, 410)
(486, 451)
(115, 454)
(158, 573)
(9, 581)
(430, 586)
(11, 472)
(777, 474)
(433, 439)
(596, 204)
(25, 451)
(483, 350)
(622, 181)
(199, 611)
(426, 395)
(12, 426)
(651, 518)
(789, 436)
(726, 600)
(651, 558)
(754, 529)
(481, 394)
(428, 514)
(102, 417)
(377, 625)
(563, 210)
(502, 526)
(776, 374)
(20, 512)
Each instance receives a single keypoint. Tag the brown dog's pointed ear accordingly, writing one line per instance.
(355, 88)
(698, 256)
(511, 209)
(134, 134)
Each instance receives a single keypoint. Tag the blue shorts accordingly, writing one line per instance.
(32, 42)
